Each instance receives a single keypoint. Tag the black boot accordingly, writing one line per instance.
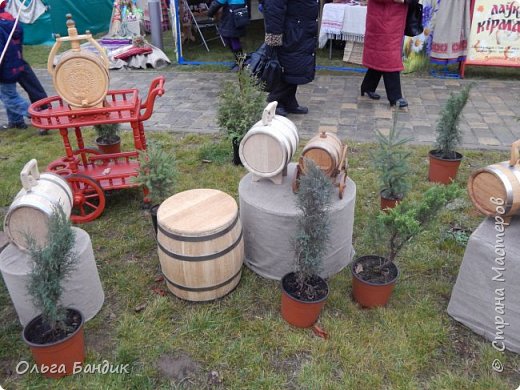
(239, 60)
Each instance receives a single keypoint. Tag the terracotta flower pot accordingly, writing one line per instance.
(299, 313)
(369, 294)
(109, 148)
(388, 203)
(442, 170)
(57, 359)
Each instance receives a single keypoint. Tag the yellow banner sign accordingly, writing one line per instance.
(495, 33)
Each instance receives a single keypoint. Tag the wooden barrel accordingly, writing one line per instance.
(326, 150)
(495, 189)
(269, 145)
(290, 129)
(200, 244)
(81, 79)
(81, 76)
(33, 205)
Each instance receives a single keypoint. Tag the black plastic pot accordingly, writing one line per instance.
(236, 156)
(153, 213)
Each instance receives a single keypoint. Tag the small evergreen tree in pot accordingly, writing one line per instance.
(240, 106)
(444, 160)
(391, 163)
(53, 264)
(158, 174)
(108, 140)
(396, 227)
(304, 285)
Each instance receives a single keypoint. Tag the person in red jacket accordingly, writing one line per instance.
(382, 49)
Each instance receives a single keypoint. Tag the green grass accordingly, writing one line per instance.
(241, 341)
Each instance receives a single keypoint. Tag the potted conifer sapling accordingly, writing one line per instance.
(373, 276)
(240, 106)
(108, 140)
(157, 173)
(391, 162)
(303, 291)
(56, 335)
(444, 160)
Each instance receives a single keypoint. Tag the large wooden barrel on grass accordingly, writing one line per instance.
(29, 213)
(269, 145)
(495, 189)
(326, 150)
(200, 244)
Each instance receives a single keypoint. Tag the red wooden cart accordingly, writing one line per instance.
(87, 170)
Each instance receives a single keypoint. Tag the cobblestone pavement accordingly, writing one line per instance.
(190, 103)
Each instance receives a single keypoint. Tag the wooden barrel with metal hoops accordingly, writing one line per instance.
(326, 150)
(269, 145)
(29, 213)
(200, 244)
(495, 189)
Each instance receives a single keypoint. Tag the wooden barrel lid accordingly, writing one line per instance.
(484, 184)
(81, 79)
(197, 213)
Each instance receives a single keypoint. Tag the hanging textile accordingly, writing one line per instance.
(452, 27)
(30, 12)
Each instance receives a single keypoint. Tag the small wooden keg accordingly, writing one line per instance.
(81, 77)
(326, 150)
(495, 189)
(269, 145)
(200, 244)
(33, 205)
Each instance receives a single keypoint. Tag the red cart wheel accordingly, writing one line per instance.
(89, 198)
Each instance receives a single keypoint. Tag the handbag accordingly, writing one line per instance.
(240, 16)
(414, 24)
(264, 65)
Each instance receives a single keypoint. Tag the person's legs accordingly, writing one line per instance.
(392, 82)
(15, 105)
(370, 83)
(285, 94)
(30, 83)
(235, 46)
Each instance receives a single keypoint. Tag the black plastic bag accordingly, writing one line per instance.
(240, 16)
(264, 64)
(414, 24)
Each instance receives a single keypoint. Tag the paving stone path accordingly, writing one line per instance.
(190, 105)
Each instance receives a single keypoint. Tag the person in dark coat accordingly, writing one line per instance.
(291, 26)
(10, 69)
(24, 74)
(226, 26)
(382, 51)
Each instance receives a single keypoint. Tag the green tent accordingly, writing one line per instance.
(93, 15)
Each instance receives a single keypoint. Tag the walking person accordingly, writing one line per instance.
(230, 33)
(382, 51)
(291, 27)
(20, 71)
(10, 69)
